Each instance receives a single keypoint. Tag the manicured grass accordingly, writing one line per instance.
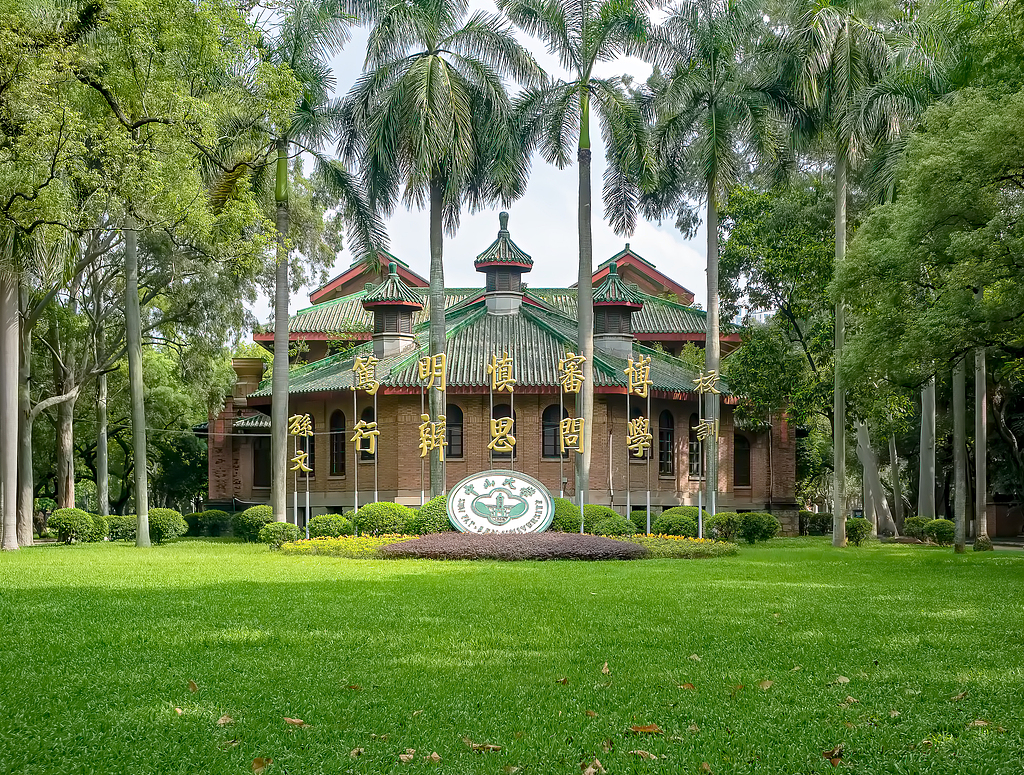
(99, 643)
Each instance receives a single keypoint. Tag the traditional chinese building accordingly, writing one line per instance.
(508, 380)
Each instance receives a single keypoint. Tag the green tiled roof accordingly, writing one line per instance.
(393, 291)
(613, 291)
(503, 250)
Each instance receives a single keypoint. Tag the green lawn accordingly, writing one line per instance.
(100, 641)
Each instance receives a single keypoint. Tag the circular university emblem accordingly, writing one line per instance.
(500, 502)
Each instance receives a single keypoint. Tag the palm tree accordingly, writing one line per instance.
(582, 33)
(431, 113)
(720, 111)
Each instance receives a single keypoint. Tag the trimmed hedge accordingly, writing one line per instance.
(247, 524)
(330, 526)
(676, 522)
(277, 533)
(71, 525)
(914, 527)
(165, 524)
(616, 525)
(100, 528)
(592, 514)
(681, 548)
(515, 546)
(432, 517)
(857, 529)
(941, 531)
(725, 526)
(193, 526)
(383, 517)
(759, 526)
(567, 516)
(639, 519)
(122, 527)
(358, 547)
(818, 523)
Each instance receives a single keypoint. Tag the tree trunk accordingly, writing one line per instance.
(897, 487)
(133, 338)
(839, 395)
(712, 351)
(981, 443)
(65, 441)
(960, 454)
(279, 380)
(882, 521)
(9, 409)
(26, 483)
(102, 464)
(585, 303)
(438, 333)
(926, 484)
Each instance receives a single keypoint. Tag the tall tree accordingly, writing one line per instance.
(431, 113)
(582, 33)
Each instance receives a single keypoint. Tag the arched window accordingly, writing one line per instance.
(453, 428)
(666, 444)
(367, 416)
(549, 432)
(634, 413)
(694, 450)
(504, 410)
(307, 444)
(741, 461)
(261, 461)
(338, 440)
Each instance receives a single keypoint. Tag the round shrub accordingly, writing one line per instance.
(247, 524)
(675, 522)
(567, 516)
(857, 529)
(100, 528)
(614, 526)
(214, 522)
(914, 527)
(277, 533)
(165, 524)
(122, 528)
(804, 517)
(383, 517)
(592, 514)
(818, 523)
(71, 525)
(433, 517)
(639, 519)
(330, 526)
(759, 526)
(941, 531)
(725, 526)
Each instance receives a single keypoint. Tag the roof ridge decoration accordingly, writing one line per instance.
(393, 292)
(503, 251)
(614, 292)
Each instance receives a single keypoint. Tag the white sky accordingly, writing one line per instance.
(543, 222)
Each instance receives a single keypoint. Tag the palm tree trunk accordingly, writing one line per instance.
(926, 485)
(279, 380)
(438, 337)
(26, 485)
(585, 303)
(839, 395)
(981, 443)
(102, 458)
(897, 487)
(960, 454)
(9, 409)
(712, 349)
(133, 338)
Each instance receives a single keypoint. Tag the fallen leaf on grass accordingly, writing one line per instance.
(229, 743)
(764, 685)
(705, 767)
(649, 729)
(795, 668)
(694, 657)
(958, 697)
(644, 754)
(259, 764)
(480, 746)
(408, 756)
(192, 687)
(693, 728)
(688, 686)
(594, 768)
(179, 711)
(591, 714)
(434, 757)
(355, 753)
(415, 713)
(607, 746)
(842, 680)
(978, 723)
(834, 755)
(735, 690)
(509, 769)
(848, 725)
(295, 722)
(354, 687)
(894, 713)
(562, 681)
(605, 669)
(224, 720)
(849, 700)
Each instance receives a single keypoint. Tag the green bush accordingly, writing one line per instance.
(593, 513)
(759, 526)
(330, 526)
(383, 517)
(122, 528)
(914, 527)
(639, 519)
(433, 517)
(676, 522)
(616, 525)
(941, 531)
(680, 547)
(857, 529)
(804, 517)
(192, 525)
(100, 528)
(247, 524)
(725, 526)
(819, 523)
(277, 533)
(567, 516)
(363, 546)
(214, 522)
(165, 524)
(71, 525)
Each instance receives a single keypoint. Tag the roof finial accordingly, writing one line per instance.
(627, 247)
(393, 268)
(503, 220)
(613, 268)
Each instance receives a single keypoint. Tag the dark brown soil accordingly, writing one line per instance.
(518, 546)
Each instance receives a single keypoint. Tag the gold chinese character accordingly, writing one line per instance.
(638, 438)
(433, 435)
(502, 439)
(368, 431)
(571, 367)
(639, 374)
(500, 370)
(706, 383)
(570, 431)
(706, 428)
(432, 367)
(300, 425)
(364, 372)
(300, 462)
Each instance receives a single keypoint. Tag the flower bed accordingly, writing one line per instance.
(515, 546)
(681, 547)
(343, 546)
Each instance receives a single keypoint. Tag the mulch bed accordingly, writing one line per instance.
(516, 546)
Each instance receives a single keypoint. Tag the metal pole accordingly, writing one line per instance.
(629, 479)
(295, 486)
(307, 507)
(356, 456)
(649, 455)
(422, 459)
(490, 447)
(376, 455)
(561, 458)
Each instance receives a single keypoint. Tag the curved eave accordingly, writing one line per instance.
(409, 305)
(487, 263)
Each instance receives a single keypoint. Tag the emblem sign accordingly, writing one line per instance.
(500, 502)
